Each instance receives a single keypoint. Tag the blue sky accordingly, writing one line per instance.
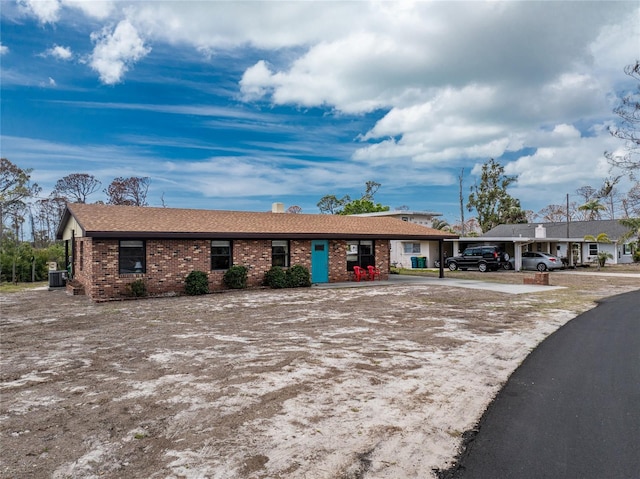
(235, 105)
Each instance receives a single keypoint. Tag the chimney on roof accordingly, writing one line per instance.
(277, 208)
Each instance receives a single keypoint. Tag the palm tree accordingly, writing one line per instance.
(439, 224)
(634, 227)
(634, 232)
(593, 209)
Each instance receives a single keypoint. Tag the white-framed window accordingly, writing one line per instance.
(593, 249)
(627, 249)
(411, 248)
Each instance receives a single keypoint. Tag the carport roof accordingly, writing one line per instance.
(109, 221)
(573, 231)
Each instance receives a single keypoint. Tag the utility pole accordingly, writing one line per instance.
(568, 217)
(461, 202)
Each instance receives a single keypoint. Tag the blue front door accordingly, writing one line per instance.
(319, 261)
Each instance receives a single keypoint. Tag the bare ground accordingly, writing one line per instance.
(376, 382)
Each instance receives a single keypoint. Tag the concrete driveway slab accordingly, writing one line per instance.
(396, 279)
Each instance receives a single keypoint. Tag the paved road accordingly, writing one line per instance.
(572, 409)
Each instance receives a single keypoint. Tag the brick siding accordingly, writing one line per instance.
(541, 279)
(168, 262)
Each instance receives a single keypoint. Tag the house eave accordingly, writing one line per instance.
(245, 235)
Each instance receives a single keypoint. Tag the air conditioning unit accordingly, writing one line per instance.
(57, 279)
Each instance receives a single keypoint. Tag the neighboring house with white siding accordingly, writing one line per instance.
(558, 239)
(403, 250)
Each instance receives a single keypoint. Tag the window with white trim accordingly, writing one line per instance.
(411, 248)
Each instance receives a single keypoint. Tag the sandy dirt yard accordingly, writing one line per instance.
(371, 382)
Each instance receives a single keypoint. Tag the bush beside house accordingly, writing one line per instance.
(196, 283)
(296, 276)
(236, 277)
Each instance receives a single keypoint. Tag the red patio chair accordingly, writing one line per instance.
(359, 273)
(374, 272)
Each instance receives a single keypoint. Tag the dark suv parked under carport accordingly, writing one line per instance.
(484, 258)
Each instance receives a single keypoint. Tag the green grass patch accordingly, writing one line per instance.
(17, 287)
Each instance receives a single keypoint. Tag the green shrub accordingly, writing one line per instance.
(298, 277)
(137, 288)
(275, 278)
(603, 257)
(236, 277)
(196, 283)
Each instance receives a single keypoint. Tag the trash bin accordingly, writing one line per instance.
(422, 262)
(414, 261)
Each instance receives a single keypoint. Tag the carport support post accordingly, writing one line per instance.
(517, 261)
(441, 256)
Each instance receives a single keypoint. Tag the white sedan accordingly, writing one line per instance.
(537, 261)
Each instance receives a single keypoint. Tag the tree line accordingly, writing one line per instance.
(20, 201)
(21, 205)
(492, 204)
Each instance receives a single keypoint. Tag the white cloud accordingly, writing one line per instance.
(116, 51)
(46, 11)
(256, 81)
(563, 161)
(456, 124)
(264, 25)
(49, 11)
(3, 49)
(61, 53)
(616, 45)
(360, 69)
(92, 8)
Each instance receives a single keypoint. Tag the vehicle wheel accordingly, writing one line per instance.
(453, 266)
(541, 267)
(482, 267)
(507, 265)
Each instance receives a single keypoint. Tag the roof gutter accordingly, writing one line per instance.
(244, 235)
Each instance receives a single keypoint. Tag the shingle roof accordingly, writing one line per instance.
(577, 229)
(147, 222)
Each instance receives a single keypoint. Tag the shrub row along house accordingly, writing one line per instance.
(109, 247)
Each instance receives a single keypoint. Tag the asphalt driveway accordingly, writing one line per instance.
(572, 409)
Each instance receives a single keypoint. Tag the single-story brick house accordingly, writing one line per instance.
(108, 247)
